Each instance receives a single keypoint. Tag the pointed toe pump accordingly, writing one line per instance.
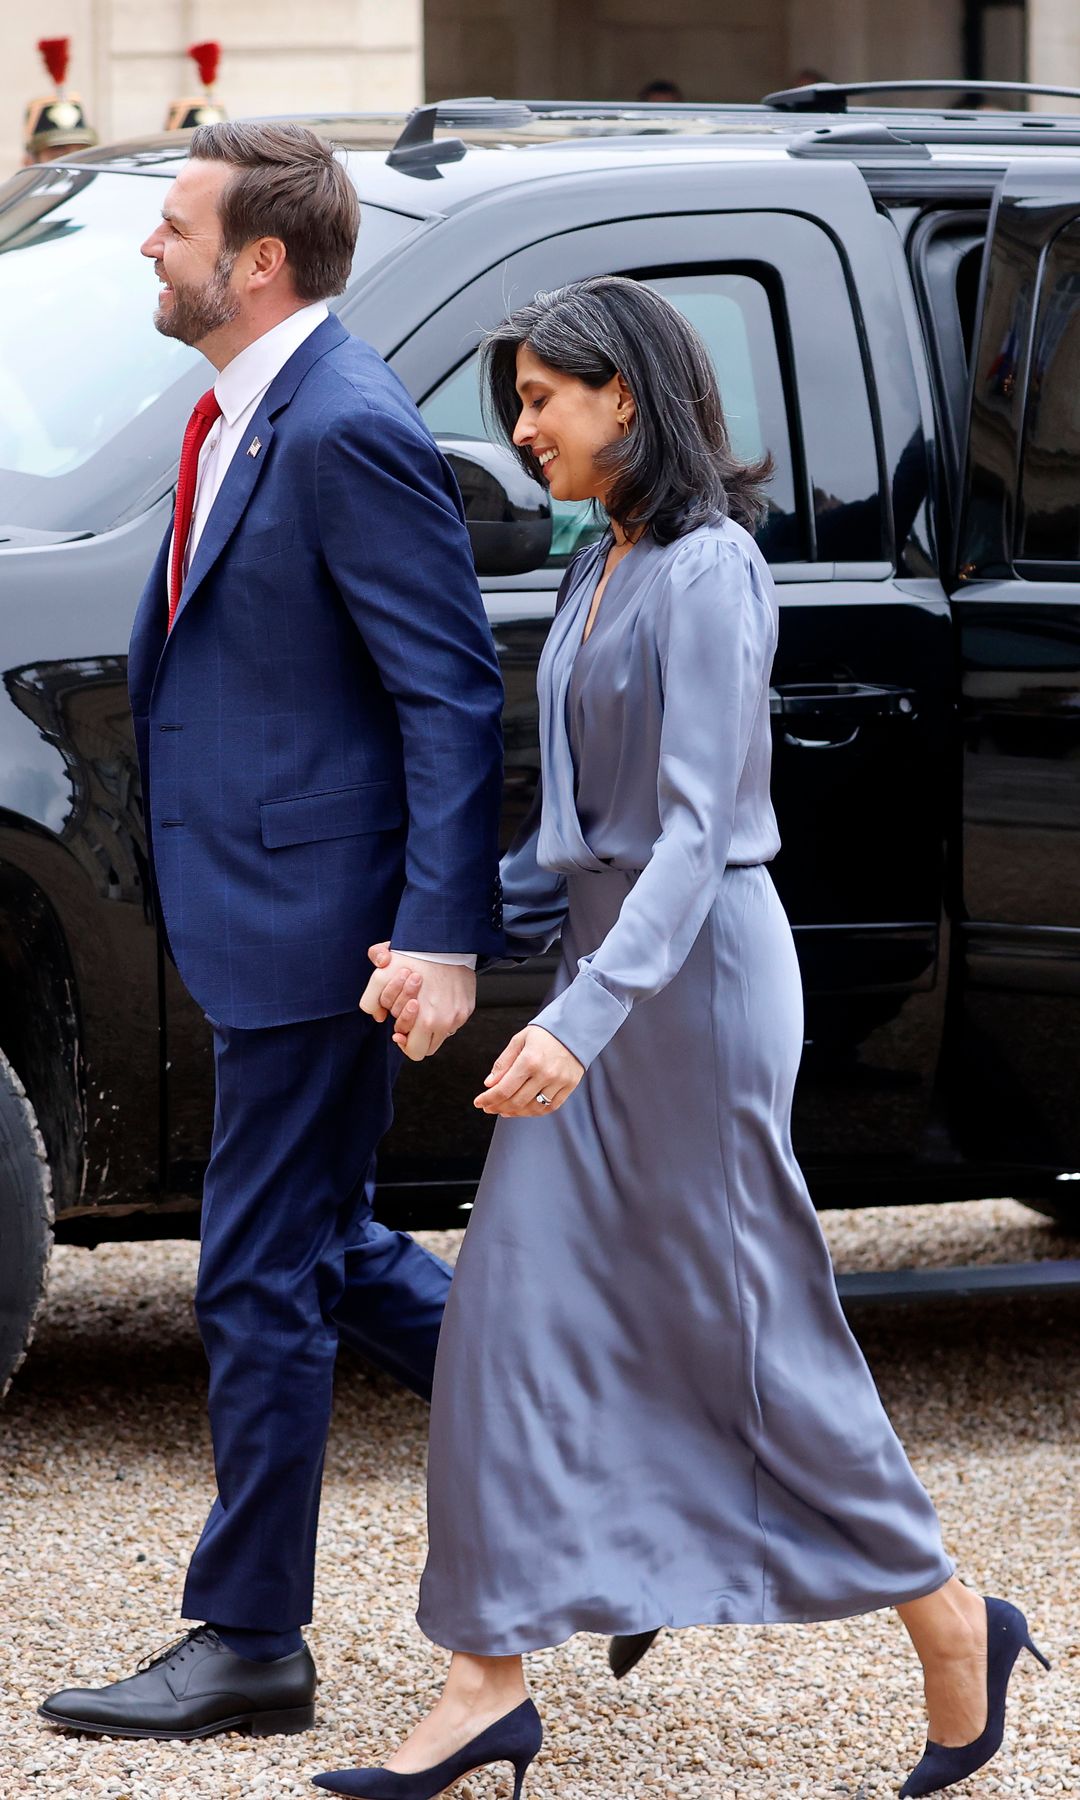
(941, 1766)
(516, 1738)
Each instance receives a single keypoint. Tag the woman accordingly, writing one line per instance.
(648, 1408)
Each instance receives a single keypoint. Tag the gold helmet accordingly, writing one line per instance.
(205, 110)
(58, 122)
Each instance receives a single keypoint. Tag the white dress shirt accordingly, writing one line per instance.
(239, 388)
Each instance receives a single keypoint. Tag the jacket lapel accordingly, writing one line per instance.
(245, 469)
(228, 508)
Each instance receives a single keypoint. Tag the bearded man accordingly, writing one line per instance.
(316, 701)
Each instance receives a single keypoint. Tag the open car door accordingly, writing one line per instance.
(1016, 604)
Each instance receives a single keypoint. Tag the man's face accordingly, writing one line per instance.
(50, 152)
(196, 296)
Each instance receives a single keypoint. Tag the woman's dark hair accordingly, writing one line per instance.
(675, 469)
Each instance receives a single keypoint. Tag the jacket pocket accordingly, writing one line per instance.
(256, 546)
(334, 813)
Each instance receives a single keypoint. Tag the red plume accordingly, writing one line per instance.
(56, 52)
(206, 58)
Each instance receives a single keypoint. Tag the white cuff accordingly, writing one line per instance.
(463, 959)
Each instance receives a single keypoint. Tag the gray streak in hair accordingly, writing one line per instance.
(676, 468)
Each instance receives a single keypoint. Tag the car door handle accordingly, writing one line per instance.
(827, 715)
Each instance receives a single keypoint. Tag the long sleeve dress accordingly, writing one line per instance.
(648, 1408)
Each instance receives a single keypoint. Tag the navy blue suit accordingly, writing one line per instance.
(319, 740)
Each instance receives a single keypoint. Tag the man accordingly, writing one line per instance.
(57, 124)
(316, 701)
(198, 109)
(662, 93)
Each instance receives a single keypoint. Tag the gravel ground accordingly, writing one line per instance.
(106, 1466)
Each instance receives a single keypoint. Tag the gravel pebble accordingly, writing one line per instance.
(107, 1478)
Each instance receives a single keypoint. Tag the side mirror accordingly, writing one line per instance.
(508, 514)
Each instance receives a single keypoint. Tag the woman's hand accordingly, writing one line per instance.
(533, 1063)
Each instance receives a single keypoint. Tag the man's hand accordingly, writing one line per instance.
(534, 1062)
(429, 1001)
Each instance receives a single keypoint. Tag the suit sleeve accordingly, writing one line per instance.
(716, 636)
(393, 534)
(534, 899)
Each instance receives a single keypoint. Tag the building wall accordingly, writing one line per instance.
(858, 40)
(1053, 54)
(129, 61)
(714, 49)
(603, 49)
(129, 55)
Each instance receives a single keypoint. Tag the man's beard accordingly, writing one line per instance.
(197, 311)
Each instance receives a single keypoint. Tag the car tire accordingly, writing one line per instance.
(25, 1222)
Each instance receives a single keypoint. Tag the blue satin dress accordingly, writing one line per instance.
(648, 1408)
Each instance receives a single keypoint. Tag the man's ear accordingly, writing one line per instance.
(268, 258)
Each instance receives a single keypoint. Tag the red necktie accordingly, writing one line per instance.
(198, 428)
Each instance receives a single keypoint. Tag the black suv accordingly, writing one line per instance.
(892, 298)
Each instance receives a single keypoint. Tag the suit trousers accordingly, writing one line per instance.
(291, 1261)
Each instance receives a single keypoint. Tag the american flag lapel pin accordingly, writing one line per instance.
(254, 447)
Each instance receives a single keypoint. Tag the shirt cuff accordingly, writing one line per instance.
(462, 959)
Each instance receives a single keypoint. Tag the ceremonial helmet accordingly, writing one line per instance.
(58, 122)
(203, 110)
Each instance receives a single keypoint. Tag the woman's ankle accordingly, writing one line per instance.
(947, 1626)
(481, 1684)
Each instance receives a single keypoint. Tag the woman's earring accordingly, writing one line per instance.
(625, 423)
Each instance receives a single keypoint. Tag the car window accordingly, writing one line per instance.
(733, 312)
(1049, 512)
(947, 253)
(71, 277)
(86, 381)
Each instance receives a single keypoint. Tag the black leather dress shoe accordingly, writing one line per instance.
(193, 1689)
(624, 1653)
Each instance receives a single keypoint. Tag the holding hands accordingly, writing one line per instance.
(423, 1020)
(534, 1074)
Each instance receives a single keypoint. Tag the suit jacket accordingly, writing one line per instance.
(319, 735)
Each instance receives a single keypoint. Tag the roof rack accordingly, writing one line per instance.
(832, 96)
(418, 152)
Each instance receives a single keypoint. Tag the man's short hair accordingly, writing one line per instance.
(288, 184)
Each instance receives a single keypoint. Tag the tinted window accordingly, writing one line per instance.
(76, 298)
(1049, 514)
(92, 399)
(732, 311)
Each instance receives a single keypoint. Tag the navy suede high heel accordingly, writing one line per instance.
(1006, 1635)
(516, 1738)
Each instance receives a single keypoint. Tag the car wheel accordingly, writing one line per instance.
(25, 1222)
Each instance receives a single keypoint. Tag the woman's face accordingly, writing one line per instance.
(565, 423)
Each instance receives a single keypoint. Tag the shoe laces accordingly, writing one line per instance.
(176, 1651)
